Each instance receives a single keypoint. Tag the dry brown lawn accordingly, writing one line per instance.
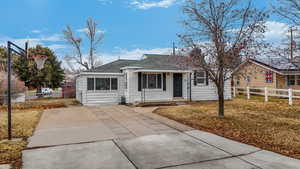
(24, 120)
(273, 126)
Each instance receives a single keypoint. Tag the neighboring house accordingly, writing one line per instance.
(278, 73)
(153, 78)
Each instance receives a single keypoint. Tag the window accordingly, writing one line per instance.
(269, 77)
(125, 81)
(201, 77)
(291, 79)
(102, 83)
(238, 82)
(248, 79)
(152, 81)
(90, 83)
(114, 84)
(298, 79)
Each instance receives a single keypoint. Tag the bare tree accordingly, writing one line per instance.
(94, 36)
(219, 34)
(288, 9)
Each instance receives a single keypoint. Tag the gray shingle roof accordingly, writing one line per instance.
(113, 67)
(280, 64)
(150, 61)
(157, 62)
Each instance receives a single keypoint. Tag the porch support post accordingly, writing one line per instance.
(234, 91)
(266, 95)
(248, 92)
(290, 91)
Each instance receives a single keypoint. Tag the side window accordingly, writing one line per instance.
(125, 81)
(248, 79)
(159, 81)
(201, 78)
(238, 81)
(298, 79)
(291, 79)
(114, 84)
(269, 77)
(90, 84)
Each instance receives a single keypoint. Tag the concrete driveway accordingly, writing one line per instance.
(120, 137)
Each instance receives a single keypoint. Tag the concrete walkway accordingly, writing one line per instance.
(118, 137)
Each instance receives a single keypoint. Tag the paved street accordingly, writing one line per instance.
(119, 137)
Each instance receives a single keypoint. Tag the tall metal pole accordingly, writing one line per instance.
(174, 52)
(292, 44)
(9, 90)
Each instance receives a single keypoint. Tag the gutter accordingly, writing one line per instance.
(98, 73)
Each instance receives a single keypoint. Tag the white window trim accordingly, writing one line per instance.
(153, 89)
(296, 78)
(110, 85)
(204, 83)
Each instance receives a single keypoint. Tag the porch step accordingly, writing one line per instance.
(153, 104)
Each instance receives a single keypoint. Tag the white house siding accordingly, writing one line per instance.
(79, 89)
(132, 95)
(209, 92)
(99, 97)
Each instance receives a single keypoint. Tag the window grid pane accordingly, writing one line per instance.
(90, 84)
(291, 80)
(159, 81)
(144, 81)
(200, 77)
(114, 84)
(102, 83)
(152, 81)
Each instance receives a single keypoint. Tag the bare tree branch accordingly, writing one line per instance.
(95, 37)
(220, 34)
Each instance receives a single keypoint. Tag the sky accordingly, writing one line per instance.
(131, 27)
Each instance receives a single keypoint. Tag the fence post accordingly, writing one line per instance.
(266, 95)
(234, 91)
(248, 92)
(290, 96)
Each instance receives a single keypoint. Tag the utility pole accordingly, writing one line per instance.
(292, 43)
(174, 52)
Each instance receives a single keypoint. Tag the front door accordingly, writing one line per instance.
(177, 84)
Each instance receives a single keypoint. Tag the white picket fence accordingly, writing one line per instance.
(267, 92)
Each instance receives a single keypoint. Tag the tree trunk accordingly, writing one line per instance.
(221, 100)
(220, 87)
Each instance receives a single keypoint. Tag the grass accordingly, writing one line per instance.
(25, 118)
(273, 126)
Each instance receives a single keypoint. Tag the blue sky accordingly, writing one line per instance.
(131, 27)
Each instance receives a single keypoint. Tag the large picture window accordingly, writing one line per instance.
(102, 83)
(152, 81)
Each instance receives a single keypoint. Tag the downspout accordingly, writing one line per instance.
(190, 87)
(142, 100)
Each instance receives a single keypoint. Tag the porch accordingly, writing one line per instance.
(157, 86)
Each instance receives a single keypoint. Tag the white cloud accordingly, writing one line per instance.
(49, 41)
(36, 31)
(132, 54)
(84, 30)
(276, 32)
(142, 4)
(56, 46)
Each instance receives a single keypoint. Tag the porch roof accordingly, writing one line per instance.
(163, 71)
